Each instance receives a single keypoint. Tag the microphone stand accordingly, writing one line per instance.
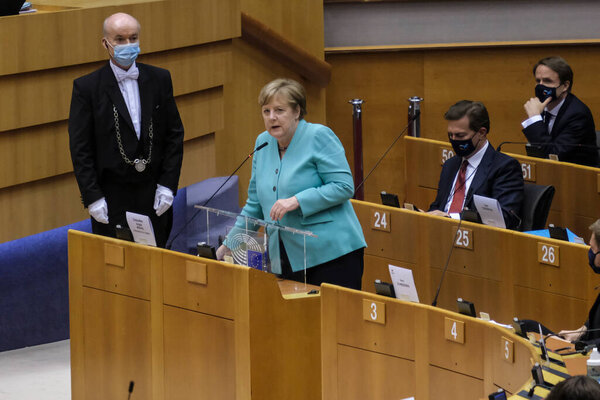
(214, 194)
(437, 293)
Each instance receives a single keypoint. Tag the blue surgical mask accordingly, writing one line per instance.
(126, 54)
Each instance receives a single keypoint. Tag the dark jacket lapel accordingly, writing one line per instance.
(561, 112)
(112, 89)
(146, 100)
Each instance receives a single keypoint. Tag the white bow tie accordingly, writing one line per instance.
(131, 73)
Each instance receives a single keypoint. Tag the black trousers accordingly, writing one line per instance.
(137, 197)
(346, 270)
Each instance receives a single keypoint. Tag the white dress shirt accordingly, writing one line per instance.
(473, 163)
(130, 90)
(553, 113)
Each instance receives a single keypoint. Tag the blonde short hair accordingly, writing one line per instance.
(595, 228)
(292, 91)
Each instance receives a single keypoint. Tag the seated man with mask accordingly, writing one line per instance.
(477, 168)
(589, 332)
(558, 122)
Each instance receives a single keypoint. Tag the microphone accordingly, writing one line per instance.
(131, 383)
(411, 120)
(499, 148)
(513, 214)
(261, 146)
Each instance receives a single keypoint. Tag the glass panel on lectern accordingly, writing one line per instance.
(249, 248)
(248, 240)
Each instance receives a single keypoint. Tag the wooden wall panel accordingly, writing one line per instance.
(202, 112)
(121, 356)
(194, 68)
(500, 77)
(38, 206)
(307, 16)
(534, 302)
(65, 38)
(42, 97)
(385, 84)
(48, 203)
(34, 153)
(198, 160)
(196, 345)
(503, 80)
(456, 386)
(379, 370)
(487, 295)
(42, 151)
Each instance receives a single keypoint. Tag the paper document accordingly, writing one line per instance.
(404, 284)
(141, 228)
(489, 210)
(454, 215)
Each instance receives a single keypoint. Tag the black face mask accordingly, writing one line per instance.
(463, 147)
(542, 92)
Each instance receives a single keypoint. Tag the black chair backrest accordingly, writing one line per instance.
(537, 200)
(10, 7)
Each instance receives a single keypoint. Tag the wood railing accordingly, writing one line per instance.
(285, 51)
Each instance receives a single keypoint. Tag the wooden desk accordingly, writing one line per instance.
(501, 272)
(182, 326)
(576, 203)
(576, 363)
(376, 347)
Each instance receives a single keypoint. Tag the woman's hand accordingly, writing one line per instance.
(223, 251)
(282, 207)
(572, 336)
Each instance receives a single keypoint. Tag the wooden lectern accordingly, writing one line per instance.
(184, 327)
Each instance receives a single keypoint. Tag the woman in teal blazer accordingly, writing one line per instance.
(302, 180)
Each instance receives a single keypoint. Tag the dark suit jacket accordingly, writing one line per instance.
(593, 322)
(498, 176)
(92, 135)
(574, 125)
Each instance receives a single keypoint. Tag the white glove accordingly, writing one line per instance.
(163, 199)
(99, 210)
